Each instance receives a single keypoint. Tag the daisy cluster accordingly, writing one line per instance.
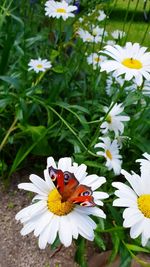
(112, 122)
(50, 216)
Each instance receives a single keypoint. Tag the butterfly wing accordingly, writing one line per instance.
(82, 196)
(69, 188)
(70, 184)
(57, 176)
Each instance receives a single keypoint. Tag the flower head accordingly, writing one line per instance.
(136, 200)
(131, 60)
(146, 88)
(39, 65)
(97, 31)
(56, 213)
(58, 10)
(93, 37)
(95, 59)
(118, 34)
(85, 35)
(102, 15)
(111, 154)
(114, 120)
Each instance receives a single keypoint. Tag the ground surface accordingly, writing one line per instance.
(18, 251)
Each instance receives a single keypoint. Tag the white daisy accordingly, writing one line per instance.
(95, 59)
(118, 34)
(97, 31)
(50, 216)
(110, 42)
(112, 84)
(102, 15)
(39, 65)
(131, 60)
(114, 120)
(85, 35)
(146, 88)
(136, 200)
(145, 164)
(58, 10)
(111, 154)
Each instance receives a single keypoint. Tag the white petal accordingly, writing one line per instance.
(136, 229)
(94, 181)
(44, 221)
(123, 202)
(51, 162)
(48, 180)
(135, 218)
(64, 164)
(65, 233)
(31, 187)
(54, 229)
(100, 195)
(80, 172)
(32, 210)
(39, 183)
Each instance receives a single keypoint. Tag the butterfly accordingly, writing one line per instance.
(70, 189)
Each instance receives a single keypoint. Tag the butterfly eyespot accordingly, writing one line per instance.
(66, 177)
(86, 193)
(83, 204)
(52, 174)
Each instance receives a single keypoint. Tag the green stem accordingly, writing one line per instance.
(39, 78)
(145, 33)
(126, 15)
(73, 132)
(68, 126)
(12, 128)
(132, 18)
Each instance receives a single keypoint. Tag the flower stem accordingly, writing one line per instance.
(12, 128)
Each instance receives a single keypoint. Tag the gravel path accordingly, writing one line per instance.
(18, 251)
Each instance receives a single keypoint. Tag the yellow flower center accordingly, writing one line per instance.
(39, 66)
(61, 10)
(88, 39)
(144, 204)
(109, 119)
(132, 63)
(94, 32)
(108, 154)
(55, 204)
(97, 59)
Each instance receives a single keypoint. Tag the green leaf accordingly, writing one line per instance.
(116, 243)
(59, 69)
(125, 257)
(80, 252)
(24, 150)
(137, 248)
(10, 80)
(116, 215)
(93, 164)
(56, 243)
(54, 54)
(5, 102)
(99, 242)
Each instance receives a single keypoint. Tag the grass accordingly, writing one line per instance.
(131, 22)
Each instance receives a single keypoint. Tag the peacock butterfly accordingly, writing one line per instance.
(70, 189)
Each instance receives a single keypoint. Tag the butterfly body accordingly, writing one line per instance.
(70, 189)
